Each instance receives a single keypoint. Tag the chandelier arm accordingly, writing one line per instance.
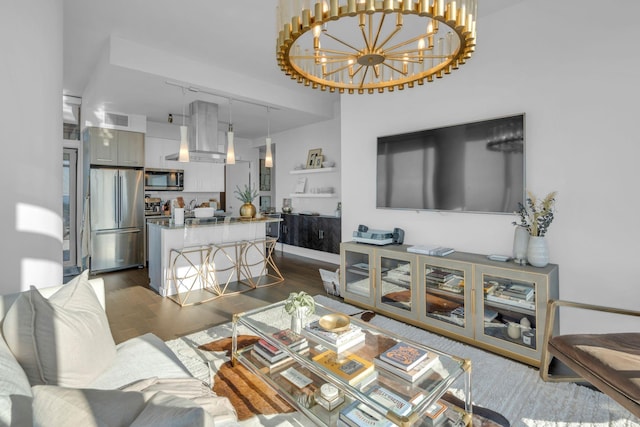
(406, 42)
(366, 41)
(364, 76)
(341, 42)
(375, 41)
(394, 68)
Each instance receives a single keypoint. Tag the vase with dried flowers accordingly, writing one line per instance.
(536, 217)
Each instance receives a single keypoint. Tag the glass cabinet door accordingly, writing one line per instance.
(447, 295)
(396, 282)
(510, 314)
(357, 277)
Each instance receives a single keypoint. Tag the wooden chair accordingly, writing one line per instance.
(608, 361)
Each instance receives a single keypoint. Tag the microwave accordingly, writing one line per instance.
(164, 179)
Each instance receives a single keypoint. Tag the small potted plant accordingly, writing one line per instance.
(246, 196)
(299, 305)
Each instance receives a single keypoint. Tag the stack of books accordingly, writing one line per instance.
(271, 356)
(351, 368)
(336, 341)
(446, 280)
(406, 361)
(514, 295)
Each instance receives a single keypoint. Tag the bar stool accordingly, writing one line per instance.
(188, 272)
(258, 253)
(223, 266)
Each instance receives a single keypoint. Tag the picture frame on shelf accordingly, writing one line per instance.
(318, 161)
(311, 158)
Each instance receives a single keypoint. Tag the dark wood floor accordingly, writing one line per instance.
(133, 308)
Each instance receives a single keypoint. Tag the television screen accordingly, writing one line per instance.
(471, 167)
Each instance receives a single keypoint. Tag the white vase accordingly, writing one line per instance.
(298, 319)
(520, 244)
(538, 251)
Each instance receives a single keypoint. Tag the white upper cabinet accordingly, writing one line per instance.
(155, 151)
(203, 177)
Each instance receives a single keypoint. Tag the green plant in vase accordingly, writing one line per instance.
(246, 196)
(299, 305)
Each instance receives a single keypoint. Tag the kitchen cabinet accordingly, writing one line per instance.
(498, 306)
(203, 177)
(321, 233)
(155, 150)
(111, 147)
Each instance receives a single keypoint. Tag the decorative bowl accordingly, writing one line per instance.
(334, 322)
(327, 164)
(203, 212)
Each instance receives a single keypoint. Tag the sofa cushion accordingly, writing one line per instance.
(153, 402)
(64, 340)
(15, 391)
(139, 358)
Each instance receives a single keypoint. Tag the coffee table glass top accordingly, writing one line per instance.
(299, 364)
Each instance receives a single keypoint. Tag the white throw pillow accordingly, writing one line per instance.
(64, 340)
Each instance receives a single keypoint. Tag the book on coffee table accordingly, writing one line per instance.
(411, 375)
(351, 368)
(404, 356)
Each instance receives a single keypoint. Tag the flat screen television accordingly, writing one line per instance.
(470, 167)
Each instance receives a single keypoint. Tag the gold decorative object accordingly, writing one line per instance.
(368, 45)
(247, 210)
(334, 322)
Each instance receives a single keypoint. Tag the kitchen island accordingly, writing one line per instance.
(219, 244)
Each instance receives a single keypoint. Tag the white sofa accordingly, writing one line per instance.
(138, 382)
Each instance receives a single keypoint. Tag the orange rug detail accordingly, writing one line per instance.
(247, 393)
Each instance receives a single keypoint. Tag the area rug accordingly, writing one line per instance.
(247, 393)
(507, 387)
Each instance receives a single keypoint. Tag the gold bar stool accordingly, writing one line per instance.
(188, 268)
(260, 252)
(223, 266)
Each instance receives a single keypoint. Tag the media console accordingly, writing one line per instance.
(498, 306)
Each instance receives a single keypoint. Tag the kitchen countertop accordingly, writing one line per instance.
(167, 222)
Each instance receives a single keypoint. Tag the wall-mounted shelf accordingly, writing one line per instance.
(318, 170)
(312, 195)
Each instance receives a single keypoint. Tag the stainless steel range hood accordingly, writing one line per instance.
(203, 134)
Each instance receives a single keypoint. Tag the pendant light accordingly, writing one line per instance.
(183, 156)
(268, 158)
(231, 154)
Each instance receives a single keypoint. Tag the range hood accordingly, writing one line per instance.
(203, 134)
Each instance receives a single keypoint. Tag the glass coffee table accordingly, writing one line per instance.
(340, 370)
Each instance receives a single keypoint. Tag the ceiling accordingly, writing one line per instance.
(237, 36)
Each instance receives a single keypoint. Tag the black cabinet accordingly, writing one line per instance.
(322, 233)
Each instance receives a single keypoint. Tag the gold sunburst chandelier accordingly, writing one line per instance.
(368, 45)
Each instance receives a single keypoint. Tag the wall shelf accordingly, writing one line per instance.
(318, 170)
(312, 195)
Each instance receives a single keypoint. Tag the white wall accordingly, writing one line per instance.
(293, 147)
(577, 83)
(31, 139)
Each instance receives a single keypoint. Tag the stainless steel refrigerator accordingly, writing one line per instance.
(117, 218)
